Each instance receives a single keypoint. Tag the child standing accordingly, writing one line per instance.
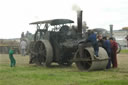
(11, 57)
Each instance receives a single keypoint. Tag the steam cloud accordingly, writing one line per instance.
(76, 8)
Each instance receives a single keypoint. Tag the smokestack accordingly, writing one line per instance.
(79, 22)
(111, 30)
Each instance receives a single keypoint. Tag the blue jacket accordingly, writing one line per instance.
(107, 46)
(92, 38)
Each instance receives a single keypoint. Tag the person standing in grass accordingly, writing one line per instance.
(11, 57)
(106, 44)
(23, 46)
(114, 48)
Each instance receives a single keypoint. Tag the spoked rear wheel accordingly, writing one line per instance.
(44, 53)
(41, 53)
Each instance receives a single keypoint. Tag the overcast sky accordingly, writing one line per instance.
(15, 15)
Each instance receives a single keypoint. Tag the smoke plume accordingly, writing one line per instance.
(76, 8)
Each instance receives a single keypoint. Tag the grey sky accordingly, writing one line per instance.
(17, 14)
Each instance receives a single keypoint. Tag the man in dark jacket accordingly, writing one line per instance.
(107, 47)
(100, 40)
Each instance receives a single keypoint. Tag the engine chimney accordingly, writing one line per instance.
(79, 22)
(111, 30)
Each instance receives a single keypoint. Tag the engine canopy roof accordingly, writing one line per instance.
(54, 22)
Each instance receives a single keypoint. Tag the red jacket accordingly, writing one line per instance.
(114, 46)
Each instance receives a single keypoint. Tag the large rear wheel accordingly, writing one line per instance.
(43, 52)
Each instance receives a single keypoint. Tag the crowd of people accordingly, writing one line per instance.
(110, 45)
(97, 40)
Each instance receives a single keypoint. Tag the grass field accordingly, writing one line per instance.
(25, 74)
(124, 51)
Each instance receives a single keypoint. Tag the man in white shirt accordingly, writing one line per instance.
(23, 46)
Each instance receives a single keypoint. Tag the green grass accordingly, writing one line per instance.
(124, 51)
(25, 74)
(35, 75)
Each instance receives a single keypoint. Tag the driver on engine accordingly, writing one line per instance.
(92, 39)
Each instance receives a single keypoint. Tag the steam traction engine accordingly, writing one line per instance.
(57, 41)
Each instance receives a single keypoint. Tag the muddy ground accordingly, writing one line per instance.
(23, 60)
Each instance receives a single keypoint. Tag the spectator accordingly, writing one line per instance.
(100, 40)
(23, 46)
(114, 48)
